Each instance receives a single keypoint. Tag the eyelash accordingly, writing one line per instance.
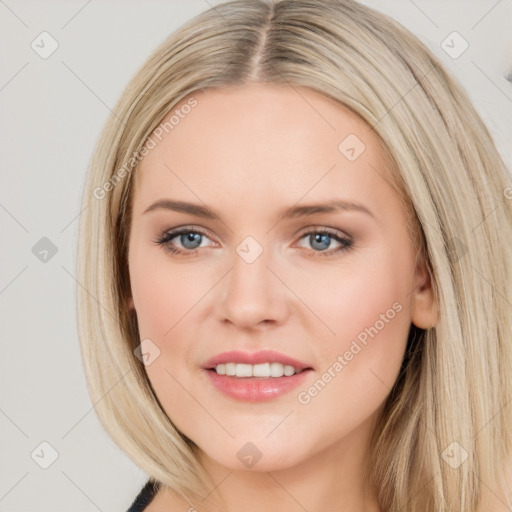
(164, 240)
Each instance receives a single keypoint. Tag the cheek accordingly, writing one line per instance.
(368, 312)
(360, 364)
(349, 298)
(364, 303)
(162, 293)
(167, 298)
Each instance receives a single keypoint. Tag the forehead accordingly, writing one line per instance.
(271, 141)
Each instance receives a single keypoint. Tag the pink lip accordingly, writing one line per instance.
(263, 356)
(255, 389)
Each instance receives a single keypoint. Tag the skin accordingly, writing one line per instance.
(248, 152)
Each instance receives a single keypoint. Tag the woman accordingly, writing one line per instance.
(295, 263)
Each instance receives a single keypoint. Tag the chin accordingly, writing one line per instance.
(255, 456)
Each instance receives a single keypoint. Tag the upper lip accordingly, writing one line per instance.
(263, 356)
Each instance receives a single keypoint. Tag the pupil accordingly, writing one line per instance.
(191, 237)
(318, 237)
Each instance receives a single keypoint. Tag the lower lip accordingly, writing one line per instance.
(256, 389)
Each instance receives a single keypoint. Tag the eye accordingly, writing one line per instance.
(191, 240)
(321, 239)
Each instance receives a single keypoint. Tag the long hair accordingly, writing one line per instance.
(444, 438)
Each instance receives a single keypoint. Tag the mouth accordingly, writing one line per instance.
(255, 377)
(267, 370)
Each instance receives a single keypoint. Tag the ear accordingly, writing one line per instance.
(424, 313)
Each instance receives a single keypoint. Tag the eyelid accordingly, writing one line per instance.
(169, 234)
(323, 228)
(346, 241)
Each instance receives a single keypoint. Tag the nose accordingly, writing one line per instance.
(252, 296)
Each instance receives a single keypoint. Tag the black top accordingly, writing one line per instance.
(145, 496)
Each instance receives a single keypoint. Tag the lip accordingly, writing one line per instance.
(262, 356)
(255, 389)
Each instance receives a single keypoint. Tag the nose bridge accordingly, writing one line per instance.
(251, 292)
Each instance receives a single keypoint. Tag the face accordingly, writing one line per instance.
(335, 289)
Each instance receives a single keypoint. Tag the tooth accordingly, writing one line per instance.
(261, 370)
(288, 370)
(230, 368)
(243, 370)
(276, 369)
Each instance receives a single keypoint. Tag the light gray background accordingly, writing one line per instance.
(52, 111)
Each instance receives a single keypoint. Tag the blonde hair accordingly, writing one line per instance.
(455, 385)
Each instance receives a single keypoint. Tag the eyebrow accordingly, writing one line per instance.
(198, 210)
